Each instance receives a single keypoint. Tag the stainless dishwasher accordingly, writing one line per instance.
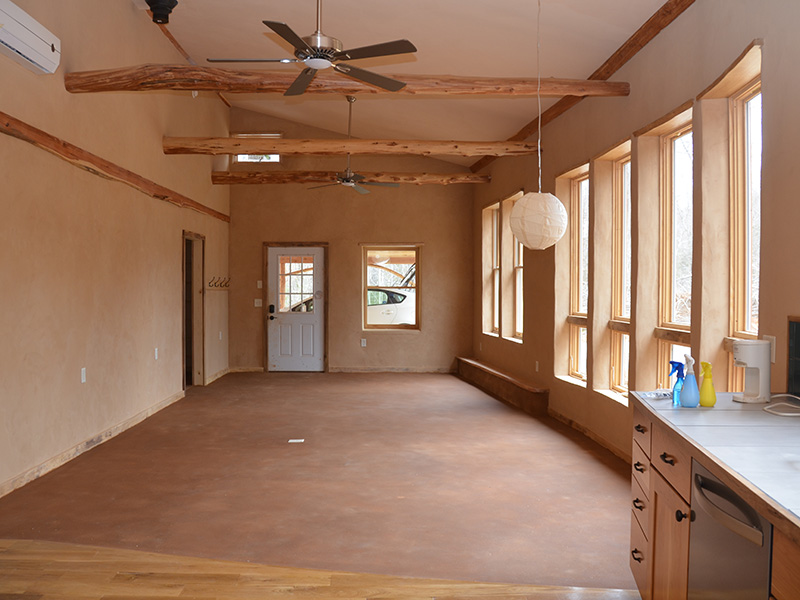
(729, 543)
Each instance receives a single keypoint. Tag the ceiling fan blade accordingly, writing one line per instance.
(360, 189)
(356, 177)
(387, 83)
(300, 84)
(283, 30)
(382, 183)
(316, 187)
(253, 60)
(384, 49)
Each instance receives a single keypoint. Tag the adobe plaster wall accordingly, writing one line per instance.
(438, 217)
(675, 67)
(91, 269)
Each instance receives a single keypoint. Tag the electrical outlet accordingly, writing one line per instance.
(537, 366)
(257, 303)
(259, 284)
(363, 342)
(220, 336)
(772, 340)
(83, 374)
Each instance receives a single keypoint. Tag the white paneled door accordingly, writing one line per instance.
(295, 309)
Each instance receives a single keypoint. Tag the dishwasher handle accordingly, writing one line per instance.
(750, 531)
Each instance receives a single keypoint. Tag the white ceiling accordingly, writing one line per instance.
(455, 37)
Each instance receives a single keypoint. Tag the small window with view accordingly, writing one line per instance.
(391, 276)
(250, 142)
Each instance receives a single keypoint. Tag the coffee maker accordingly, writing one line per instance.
(754, 356)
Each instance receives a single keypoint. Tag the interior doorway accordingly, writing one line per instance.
(295, 314)
(193, 309)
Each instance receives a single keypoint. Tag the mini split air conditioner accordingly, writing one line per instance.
(26, 41)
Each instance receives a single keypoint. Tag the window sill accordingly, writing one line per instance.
(572, 380)
(491, 334)
(515, 340)
(615, 396)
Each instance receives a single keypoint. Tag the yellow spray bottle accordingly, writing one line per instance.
(708, 397)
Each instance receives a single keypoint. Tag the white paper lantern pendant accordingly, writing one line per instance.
(538, 220)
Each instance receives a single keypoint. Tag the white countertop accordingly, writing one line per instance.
(761, 447)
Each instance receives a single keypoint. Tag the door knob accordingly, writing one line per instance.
(272, 317)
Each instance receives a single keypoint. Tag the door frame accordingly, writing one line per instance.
(198, 313)
(265, 305)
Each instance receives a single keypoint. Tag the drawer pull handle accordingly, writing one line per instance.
(639, 467)
(680, 516)
(670, 460)
(637, 555)
(641, 428)
(638, 504)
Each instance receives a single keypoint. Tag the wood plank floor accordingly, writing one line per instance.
(39, 570)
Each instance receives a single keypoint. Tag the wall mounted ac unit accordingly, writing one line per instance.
(26, 41)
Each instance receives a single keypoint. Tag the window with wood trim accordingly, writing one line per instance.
(677, 228)
(391, 287)
(579, 276)
(491, 268)
(518, 289)
(670, 351)
(621, 276)
(746, 209)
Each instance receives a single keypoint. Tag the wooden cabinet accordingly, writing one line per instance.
(785, 571)
(670, 548)
(660, 487)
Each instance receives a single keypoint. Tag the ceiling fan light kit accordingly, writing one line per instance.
(161, 10)
(319, 52)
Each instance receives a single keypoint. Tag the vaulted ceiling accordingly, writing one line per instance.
(453, 37)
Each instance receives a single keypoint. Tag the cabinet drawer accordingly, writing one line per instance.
(640, 505)
(642, 426)
(641, 468)
(640, 559)
(785, 574)
(671, 457)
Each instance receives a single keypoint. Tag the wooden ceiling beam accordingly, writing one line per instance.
(260, 177)
(665, 15)
(195, 78)
(256, 145)
(96, 165)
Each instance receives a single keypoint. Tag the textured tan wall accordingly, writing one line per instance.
(675, 67)
(91, 269)
(439, 217)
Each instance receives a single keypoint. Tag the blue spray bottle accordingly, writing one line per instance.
(677, 368)
(690, 393)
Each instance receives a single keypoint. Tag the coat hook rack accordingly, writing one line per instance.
(219, 283)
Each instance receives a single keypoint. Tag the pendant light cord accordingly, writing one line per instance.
(539, 89)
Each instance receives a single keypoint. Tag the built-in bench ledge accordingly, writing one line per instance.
(506, 388)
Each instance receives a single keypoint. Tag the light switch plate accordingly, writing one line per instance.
(258, 303)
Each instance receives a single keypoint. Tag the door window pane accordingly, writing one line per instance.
(296, 283)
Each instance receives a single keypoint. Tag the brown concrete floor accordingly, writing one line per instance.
(400, 474)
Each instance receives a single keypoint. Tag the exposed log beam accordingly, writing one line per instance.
(99, 166)
(256, 145)
(665, 15)
(190, 77)
(237, 177)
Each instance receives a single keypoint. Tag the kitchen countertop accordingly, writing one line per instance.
(759, 447)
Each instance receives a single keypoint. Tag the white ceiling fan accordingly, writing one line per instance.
(348, 178)
(319, 51)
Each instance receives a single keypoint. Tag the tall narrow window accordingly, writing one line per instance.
(677, 229)
(490, 248)
(747, 210)
(518, 289)
(579, 276)
(621, 276)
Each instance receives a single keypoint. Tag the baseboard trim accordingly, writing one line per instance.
(216, 376)
(17, 482)
(244, 370)
(590, 434)
(387, 370)
(504, 387)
